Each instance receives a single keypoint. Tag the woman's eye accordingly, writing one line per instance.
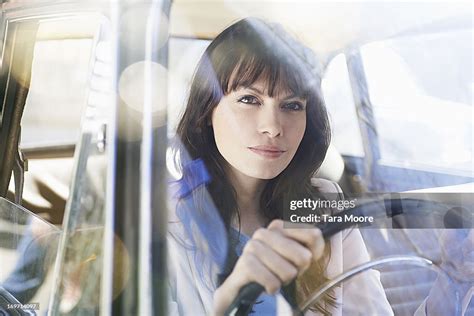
(248, 99)
(293, 106)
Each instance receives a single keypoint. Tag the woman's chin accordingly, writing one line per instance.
(264, 174)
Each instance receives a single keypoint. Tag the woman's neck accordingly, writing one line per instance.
(248, 191)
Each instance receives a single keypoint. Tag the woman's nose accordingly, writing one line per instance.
(270, 121)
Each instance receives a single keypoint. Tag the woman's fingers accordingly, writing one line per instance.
(248, 268)
(272, 260)
(252, 269)
(291, 250)
(309, 236)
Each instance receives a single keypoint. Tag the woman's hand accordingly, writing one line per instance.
(273, 257)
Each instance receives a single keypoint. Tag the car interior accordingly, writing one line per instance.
(54, 69)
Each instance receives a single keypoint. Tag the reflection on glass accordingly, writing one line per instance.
(339, 100)
(58, 92)
(28, 247)
(426, 98)
(80, 262)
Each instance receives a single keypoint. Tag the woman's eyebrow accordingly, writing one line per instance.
(293, 96)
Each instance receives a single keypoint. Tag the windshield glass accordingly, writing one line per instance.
(59, 77)
(421, 89)
(28, 248)
(202, 128)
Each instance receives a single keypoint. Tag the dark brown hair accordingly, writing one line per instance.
(245, 52)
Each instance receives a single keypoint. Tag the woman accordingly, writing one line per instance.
(256, 117)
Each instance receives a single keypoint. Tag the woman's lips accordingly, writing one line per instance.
(267, 151)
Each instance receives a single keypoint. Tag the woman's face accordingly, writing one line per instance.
(256, 134)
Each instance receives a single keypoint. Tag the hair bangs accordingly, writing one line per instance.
(287, 77)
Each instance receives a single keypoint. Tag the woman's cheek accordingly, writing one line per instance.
(296, 128)
(229, 126)
(236, 122)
